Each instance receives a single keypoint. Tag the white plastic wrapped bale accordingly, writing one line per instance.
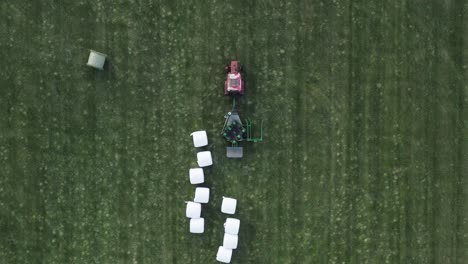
(193, 210)
(200, 139)
(231, 226)
(196, 176)
(229, 205)
(230, 241)
(204, 159)
(197, 225)
(96, 59)
(202, 195)
(224, 255)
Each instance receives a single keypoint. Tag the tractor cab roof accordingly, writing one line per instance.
(234, 82)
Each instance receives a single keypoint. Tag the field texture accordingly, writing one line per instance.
(365, 158)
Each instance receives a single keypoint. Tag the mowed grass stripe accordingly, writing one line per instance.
(168, 214)
(299, 153)
(455, 42)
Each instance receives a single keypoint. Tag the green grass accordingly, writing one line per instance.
(365, 113)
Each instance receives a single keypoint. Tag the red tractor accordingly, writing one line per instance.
(234, 83)
(233, 130)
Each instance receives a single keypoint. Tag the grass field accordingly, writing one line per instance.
(365, 158)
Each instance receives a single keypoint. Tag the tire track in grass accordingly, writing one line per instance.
(436, 187)
(380, 135)
(166, 236)
(400, 45)
(161, 176)
(344, 135)
(108, 164)
(415, 113)
(353, 126)
(87, 156)
(458, 53)
(433, 188)
(142, 196)
(57, 195)
(114, 141)
(444, 140)
(404, 127)
(292, 82)
(110, 145)
(166, 25)
(399, 164)
(386, 87)
(432, 131)
(296, 79)
(303, 191)
(149, 190)
(281, 177)
(329, 78)
(366, 83)
(333, 91)
(126, 122)
(267, 224)
(320, 76)
(259, 216)
(157, 185)
(187, 23)
(419, 182)
(13, 204)
(456, 42)
(389, 159)
(373, 153)
(407, 101)
(365, 126)
(339, 114)
(395, 168)
(24, 143)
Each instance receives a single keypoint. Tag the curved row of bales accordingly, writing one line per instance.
(202, 196)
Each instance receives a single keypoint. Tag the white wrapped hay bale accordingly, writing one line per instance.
(230, 241)
(96, 59)
(202, 195)
(224, 255)
(204, 159)
(228, 205)
(231, 226)
(193, 210)
(197, 225)
(200, 139)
